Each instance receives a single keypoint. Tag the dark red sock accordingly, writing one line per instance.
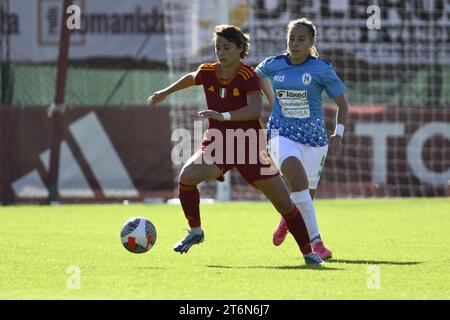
(190, 201)
(297, 228)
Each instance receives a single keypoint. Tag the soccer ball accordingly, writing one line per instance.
(138, 235)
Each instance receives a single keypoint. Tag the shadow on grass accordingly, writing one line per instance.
(397, 263)
(303, 267)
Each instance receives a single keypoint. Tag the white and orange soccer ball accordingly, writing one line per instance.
(138, 235)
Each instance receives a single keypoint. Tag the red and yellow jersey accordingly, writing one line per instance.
(228, 95)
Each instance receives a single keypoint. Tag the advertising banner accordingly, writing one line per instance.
(377, 31)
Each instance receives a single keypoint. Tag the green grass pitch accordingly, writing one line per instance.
(383, 249)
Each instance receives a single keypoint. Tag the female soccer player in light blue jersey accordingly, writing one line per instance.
(293, 83)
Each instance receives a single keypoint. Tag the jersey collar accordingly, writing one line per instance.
(226, 81)
(309, 58)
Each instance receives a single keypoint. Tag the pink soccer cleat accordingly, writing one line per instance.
(280, 233)
(320, 250)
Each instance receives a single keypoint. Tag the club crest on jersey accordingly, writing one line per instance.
(235, 92)
(306, 78)
(222, 92)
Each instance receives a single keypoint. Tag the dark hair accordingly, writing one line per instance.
(235, 35)
(305, 22)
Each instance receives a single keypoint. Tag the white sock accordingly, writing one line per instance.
(197, 230)
(304, 203)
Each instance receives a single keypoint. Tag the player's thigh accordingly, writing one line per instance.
(313, 162)
(277, 192)
(288, 156)
(197, 170)
(280, 148)
(294, 172)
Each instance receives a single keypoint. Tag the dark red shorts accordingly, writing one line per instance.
(248, 154)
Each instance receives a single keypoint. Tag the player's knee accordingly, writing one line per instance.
(297, 182)
(188, 175)
(295, 174)
(299, 186)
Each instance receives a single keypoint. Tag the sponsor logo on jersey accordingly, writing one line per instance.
(278, 78)
(293, 103)
(211, 88)
(292, 94)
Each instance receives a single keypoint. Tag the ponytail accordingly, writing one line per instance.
(313, 51)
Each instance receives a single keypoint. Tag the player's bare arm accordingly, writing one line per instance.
(335, 141)
(341, 114)
(250, 112)
(266, 87)
(184, 82)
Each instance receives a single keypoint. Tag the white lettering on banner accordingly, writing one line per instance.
(105, 160)
(414, 153)
(113, 28)
(293, 103)
(100, 28)
(380, 131)
(347, 25)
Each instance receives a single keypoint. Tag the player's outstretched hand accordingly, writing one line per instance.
(335, 142)
(156, 97)
(211, 114)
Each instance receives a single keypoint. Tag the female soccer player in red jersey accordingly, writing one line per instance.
(234, 102)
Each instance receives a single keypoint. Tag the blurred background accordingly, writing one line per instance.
(100, 142)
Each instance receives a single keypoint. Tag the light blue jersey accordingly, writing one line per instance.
(297, 110)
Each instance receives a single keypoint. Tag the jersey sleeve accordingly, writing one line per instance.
(198, 75)
(332, 83)
(251, 83)
(263, 69)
